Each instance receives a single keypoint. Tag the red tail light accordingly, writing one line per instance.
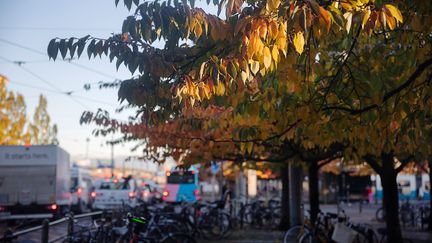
(131, 194)
(93, 194)
(196, 192)
(53, 207)
(79, 191)
(2, 209)
(165, 193)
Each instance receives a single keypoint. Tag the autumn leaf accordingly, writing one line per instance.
(366, 16)
(394, 12)
(299, 42)
(254, 67)
(348, 16)
(326, 17)
(267, 57)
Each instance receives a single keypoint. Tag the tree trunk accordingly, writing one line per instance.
(430, 193)
(295, 191)
(391, 199)
(313, 190)
(284, 223)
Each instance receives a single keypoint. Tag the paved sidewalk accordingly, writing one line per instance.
(364, 214)
(252, 236)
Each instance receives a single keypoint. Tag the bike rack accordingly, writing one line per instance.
(9, 235)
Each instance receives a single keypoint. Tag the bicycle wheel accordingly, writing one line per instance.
(275, 217)
(307, 238)
(295, 233)
(380, 215)
(214, 226)
(178, 238)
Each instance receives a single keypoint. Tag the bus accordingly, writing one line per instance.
(406, 186)
(424, 189)
(182, 185)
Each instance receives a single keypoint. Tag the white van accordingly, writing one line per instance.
(113, 193)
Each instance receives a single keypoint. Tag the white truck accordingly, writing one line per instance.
(81, 186)
(34, 182)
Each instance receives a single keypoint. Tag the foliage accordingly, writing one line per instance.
(13, 118)
(271, 73)
(40, 129)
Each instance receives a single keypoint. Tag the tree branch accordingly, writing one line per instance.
(420, 69)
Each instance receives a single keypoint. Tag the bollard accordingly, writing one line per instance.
(45, 231)
(242, 209)
(70, 229)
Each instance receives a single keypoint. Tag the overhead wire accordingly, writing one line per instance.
(65, 60)
(53, 28)
(55, 88)
(69, 93)
(62, 93)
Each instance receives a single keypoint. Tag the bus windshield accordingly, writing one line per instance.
(176, 177)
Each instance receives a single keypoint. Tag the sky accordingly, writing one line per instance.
(26, 27)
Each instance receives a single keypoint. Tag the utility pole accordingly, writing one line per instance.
(112, 158)
(87, 147)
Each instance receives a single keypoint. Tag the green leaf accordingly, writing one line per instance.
(132, 28)
(113, 52)
(105, 47)
(52, 52)
(98, 48)
(63, 46)
(128, 4)
(133, 63)
(91, 48)
(72, 48)
(145, 29)
(136, 2)
(116, 2)
(120, 59)
(81, 46)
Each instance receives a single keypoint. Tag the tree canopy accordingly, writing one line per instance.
(272, 80)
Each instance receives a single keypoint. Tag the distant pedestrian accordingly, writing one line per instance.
(369, 194)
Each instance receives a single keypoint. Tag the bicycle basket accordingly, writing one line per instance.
(343, 234)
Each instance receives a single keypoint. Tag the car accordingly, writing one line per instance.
(151, 191)
(113, 193)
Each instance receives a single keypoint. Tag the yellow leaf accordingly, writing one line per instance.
(220, 88)
(391, 22)
(254, 67)
(273, 5)
(243, 76)
(267, 57)
(348, 16)
(383, 19)
(198, 30)
(275, 53)
(394, 12)
(201, 72)
(299, 42)
(346, 6)
(366, 17)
